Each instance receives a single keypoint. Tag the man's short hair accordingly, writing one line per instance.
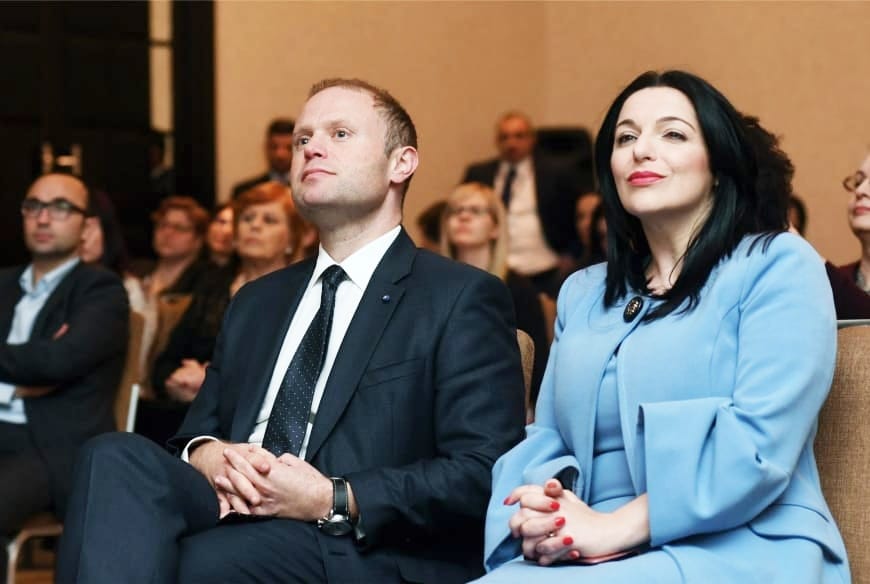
(280, 126)
(400, 128)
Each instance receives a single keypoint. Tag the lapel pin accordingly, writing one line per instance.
(632, 309)
(385, 298)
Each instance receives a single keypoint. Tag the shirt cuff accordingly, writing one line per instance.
(185, 454)
(7, 392)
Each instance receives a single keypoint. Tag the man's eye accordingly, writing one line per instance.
(302, 140)
(341, 133)
(62, 205)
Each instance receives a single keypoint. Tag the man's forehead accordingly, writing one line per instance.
(514, 124)
(335, 104)
(52, 187)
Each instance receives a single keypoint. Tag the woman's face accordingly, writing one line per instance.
(263, 233)
(659, 159)
(175, 236)
(220, 233)
(91, 246)
(859, 202)
(470, 222)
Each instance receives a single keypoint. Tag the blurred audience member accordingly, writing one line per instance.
(64, 329)
(797, 214)
(270, 234)
(584, 208)
(219, 238)
(180, 224)
(103, 243)
(598, 236)
(474, 231)
(278, 148)
(539, 197)
(851, 282)
(775, 173)
(429, 222)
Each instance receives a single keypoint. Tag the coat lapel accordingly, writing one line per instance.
(362, 337)
(10, 294)
(268, 337)
(54, 302)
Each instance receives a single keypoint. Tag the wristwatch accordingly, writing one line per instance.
(337, 522)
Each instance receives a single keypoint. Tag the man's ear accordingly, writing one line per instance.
(403, 163)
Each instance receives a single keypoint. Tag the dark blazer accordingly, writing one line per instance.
(425, 394)
(250, 183)
(557, 187)
(851, 302)
(84, 365)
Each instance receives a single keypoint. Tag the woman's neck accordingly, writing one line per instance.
(250, 269)
(479, 257)
(167, 271)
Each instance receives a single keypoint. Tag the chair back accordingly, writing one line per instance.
(843, 446)
(170, 309)
(527, 356)
(125, 400)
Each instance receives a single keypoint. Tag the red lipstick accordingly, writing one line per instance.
(644, 177)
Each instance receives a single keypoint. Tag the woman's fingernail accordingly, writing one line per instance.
(574, 555)
(560, 521)
(567, 540)
(554, 505)
(507, 500)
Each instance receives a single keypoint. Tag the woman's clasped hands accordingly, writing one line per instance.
(556, 526)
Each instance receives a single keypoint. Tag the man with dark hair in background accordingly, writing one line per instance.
(64, 330)
(353, 409)
(278, 148)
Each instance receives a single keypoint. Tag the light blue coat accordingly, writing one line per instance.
(718, 409)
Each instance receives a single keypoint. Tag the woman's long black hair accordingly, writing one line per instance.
(738, 207)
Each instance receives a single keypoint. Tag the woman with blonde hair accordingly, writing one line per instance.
(474, 231)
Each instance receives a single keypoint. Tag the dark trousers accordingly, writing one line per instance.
(140, 515)
(24, 483)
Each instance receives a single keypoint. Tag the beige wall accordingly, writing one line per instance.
(801, 67)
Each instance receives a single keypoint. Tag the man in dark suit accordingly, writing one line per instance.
(539, 196)
(64, 327)
(279, 154)
(361, 436)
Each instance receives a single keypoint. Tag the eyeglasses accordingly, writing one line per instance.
(475, 210)
(58, 209)
(853, 181)
(177, 227)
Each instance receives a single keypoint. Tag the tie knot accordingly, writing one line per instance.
(333, 276)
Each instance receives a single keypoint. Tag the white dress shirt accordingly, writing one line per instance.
(26, 312)
(359, 268)
(528, 251)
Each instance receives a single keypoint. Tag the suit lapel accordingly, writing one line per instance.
(366, 329)
(268, 337)
(55, 301)
(10, 294)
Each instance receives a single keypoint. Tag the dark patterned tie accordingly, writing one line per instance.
(289, 418)
(508, 184)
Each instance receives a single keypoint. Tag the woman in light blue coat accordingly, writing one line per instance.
(675, 425)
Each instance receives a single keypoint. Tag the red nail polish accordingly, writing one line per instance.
(567, 540)
(574, 555)
(560, 521)
(507, 500)
(554, 505)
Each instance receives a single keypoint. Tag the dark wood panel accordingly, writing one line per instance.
(126, 19)
(20, 66)
(20, 16)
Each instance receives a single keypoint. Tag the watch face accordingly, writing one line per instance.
(336, 525)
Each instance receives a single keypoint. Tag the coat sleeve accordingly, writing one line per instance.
(478, 415)
(97, 318)
(542, 455)
(734, 456)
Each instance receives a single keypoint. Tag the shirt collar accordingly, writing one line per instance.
(49, 281)
(524, 167)
(361, 264)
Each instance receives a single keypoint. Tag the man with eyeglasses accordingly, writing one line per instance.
(64, 326)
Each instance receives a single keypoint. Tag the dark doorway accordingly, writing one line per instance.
(75, 95)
